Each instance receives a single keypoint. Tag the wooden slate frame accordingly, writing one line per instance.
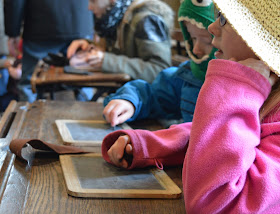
(74, 187)
(68, 139)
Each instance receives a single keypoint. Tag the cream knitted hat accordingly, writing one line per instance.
(258, 23)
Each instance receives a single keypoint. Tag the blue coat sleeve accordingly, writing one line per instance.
(13, 13)
(160, 99)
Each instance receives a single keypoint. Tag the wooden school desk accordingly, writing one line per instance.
(38, 186)
(47, 78)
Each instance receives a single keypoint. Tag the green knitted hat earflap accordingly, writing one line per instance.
(201, 14)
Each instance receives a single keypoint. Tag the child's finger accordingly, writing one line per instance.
(121, 118)
(116, 152)
(125, 111)
(107, 111)
(75, 45)
(84, 45)
(116, 115)
(71, 50)
(113, 116)
(129, 149)
(124, 163)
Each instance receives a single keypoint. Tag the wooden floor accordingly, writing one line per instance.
(64, 95)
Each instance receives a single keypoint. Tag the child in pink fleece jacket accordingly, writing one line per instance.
(231, 150)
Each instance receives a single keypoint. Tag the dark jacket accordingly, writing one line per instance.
(48, 19)
(172, 95)
(143, 46)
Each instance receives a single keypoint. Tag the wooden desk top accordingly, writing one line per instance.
(46, 75)
(38, 186)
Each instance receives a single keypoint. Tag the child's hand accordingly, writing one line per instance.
(120, 150)
(95, 58)
(260, 67)
(15, 72)
(8, 63)
(75, 45)
(118, 111)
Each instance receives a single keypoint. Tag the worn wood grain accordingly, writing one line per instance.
(50, 75)
(38, 186)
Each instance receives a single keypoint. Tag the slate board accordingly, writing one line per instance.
(88, 175)
(86, 134)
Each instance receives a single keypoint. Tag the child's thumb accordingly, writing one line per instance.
(129, 149)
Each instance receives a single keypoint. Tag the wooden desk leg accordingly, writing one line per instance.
(42, 89)
(52, 94)
(102, 90)
(178, 47)
(98, 93)
(40, 92)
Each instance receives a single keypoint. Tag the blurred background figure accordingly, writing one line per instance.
(137, 35)
(47, 26)
(10, 70)
(10, 73)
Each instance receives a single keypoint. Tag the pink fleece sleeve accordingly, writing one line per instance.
(166, 147)
(233, 162)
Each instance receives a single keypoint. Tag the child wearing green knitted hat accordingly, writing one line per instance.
(198, 13)
(173, 93)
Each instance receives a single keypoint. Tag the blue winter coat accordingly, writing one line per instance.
(172, 95)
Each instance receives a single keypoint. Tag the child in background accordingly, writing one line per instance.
(137, 35)
(4, 74)
(10, 73)
(231, 150)
(174, 92)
